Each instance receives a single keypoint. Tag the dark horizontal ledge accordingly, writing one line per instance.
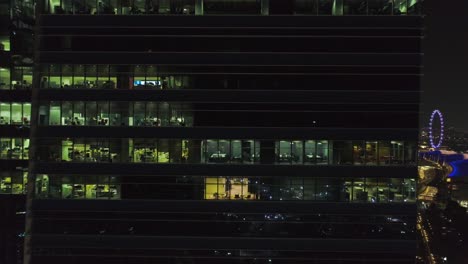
(14, 131)
(237, 96)
(13, 165)
(23, 95)
(212, 243)
(187, 206)
(346, 171)
(267, 133)
(232, 58)
(249, 21)
(238, 32)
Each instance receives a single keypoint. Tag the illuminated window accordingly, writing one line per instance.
(4, 43)
(5, 79)
(5, 113)
(400, 7)
(14, 148)
(228, 188)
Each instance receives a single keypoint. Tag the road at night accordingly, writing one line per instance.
(440, 221)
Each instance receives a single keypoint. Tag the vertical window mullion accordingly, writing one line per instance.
(158, 119)
(60, 184)
(303, 188)
(145, 112)
(157, 150)
(315, 188)
(85, 105)
(60, 78)
(303, 152)
(217, 187)
(10, 121)
(314, 158)
(230, 154)
(22, 148)
(403, 146)
(61, 111)
(108, 114)
(377, 154)
(146, 74)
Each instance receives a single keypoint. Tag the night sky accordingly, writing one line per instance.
(445, 84)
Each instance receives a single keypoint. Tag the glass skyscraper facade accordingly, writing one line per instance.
(203, 131)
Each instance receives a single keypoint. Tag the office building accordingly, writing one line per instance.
(16, 31)
(224, 131)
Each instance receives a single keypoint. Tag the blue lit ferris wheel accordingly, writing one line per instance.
(431, 134)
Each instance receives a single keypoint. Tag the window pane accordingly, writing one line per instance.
(415, 7)
(5, 79)
(164, 113)
(103, 113)
(297, 152)
(26, 113)
(355, 7)
(17, 148)
(5, 148)
(210, 150)
(139, 113)
(400, 7)
(78, 187)
(359, 191)
(103, 81)
(410, 153)
(79, 77)
(309, 7)
(55, 79)
(67, 113)
(152, 114)
(310, 152)
(42, 186)
(78, 114)
(139, 77)
(5, 113)
(55, 187)
(380, 7)
(325, 7)
(371, 153)
(16, 114)
(322, 152)
(283, 149)
(55, 114)
(377, 190)
(25, 148)
(67, 76)
(224, 150)
(90, 76)
(358, 152)
(342, 152)
(236, 151)
(91, 114)
(175, 151)
(163, 151)
(231, 7)
(117, 115)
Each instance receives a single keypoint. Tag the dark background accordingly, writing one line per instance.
(445, 84)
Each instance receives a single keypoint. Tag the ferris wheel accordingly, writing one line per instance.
(431, 134)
